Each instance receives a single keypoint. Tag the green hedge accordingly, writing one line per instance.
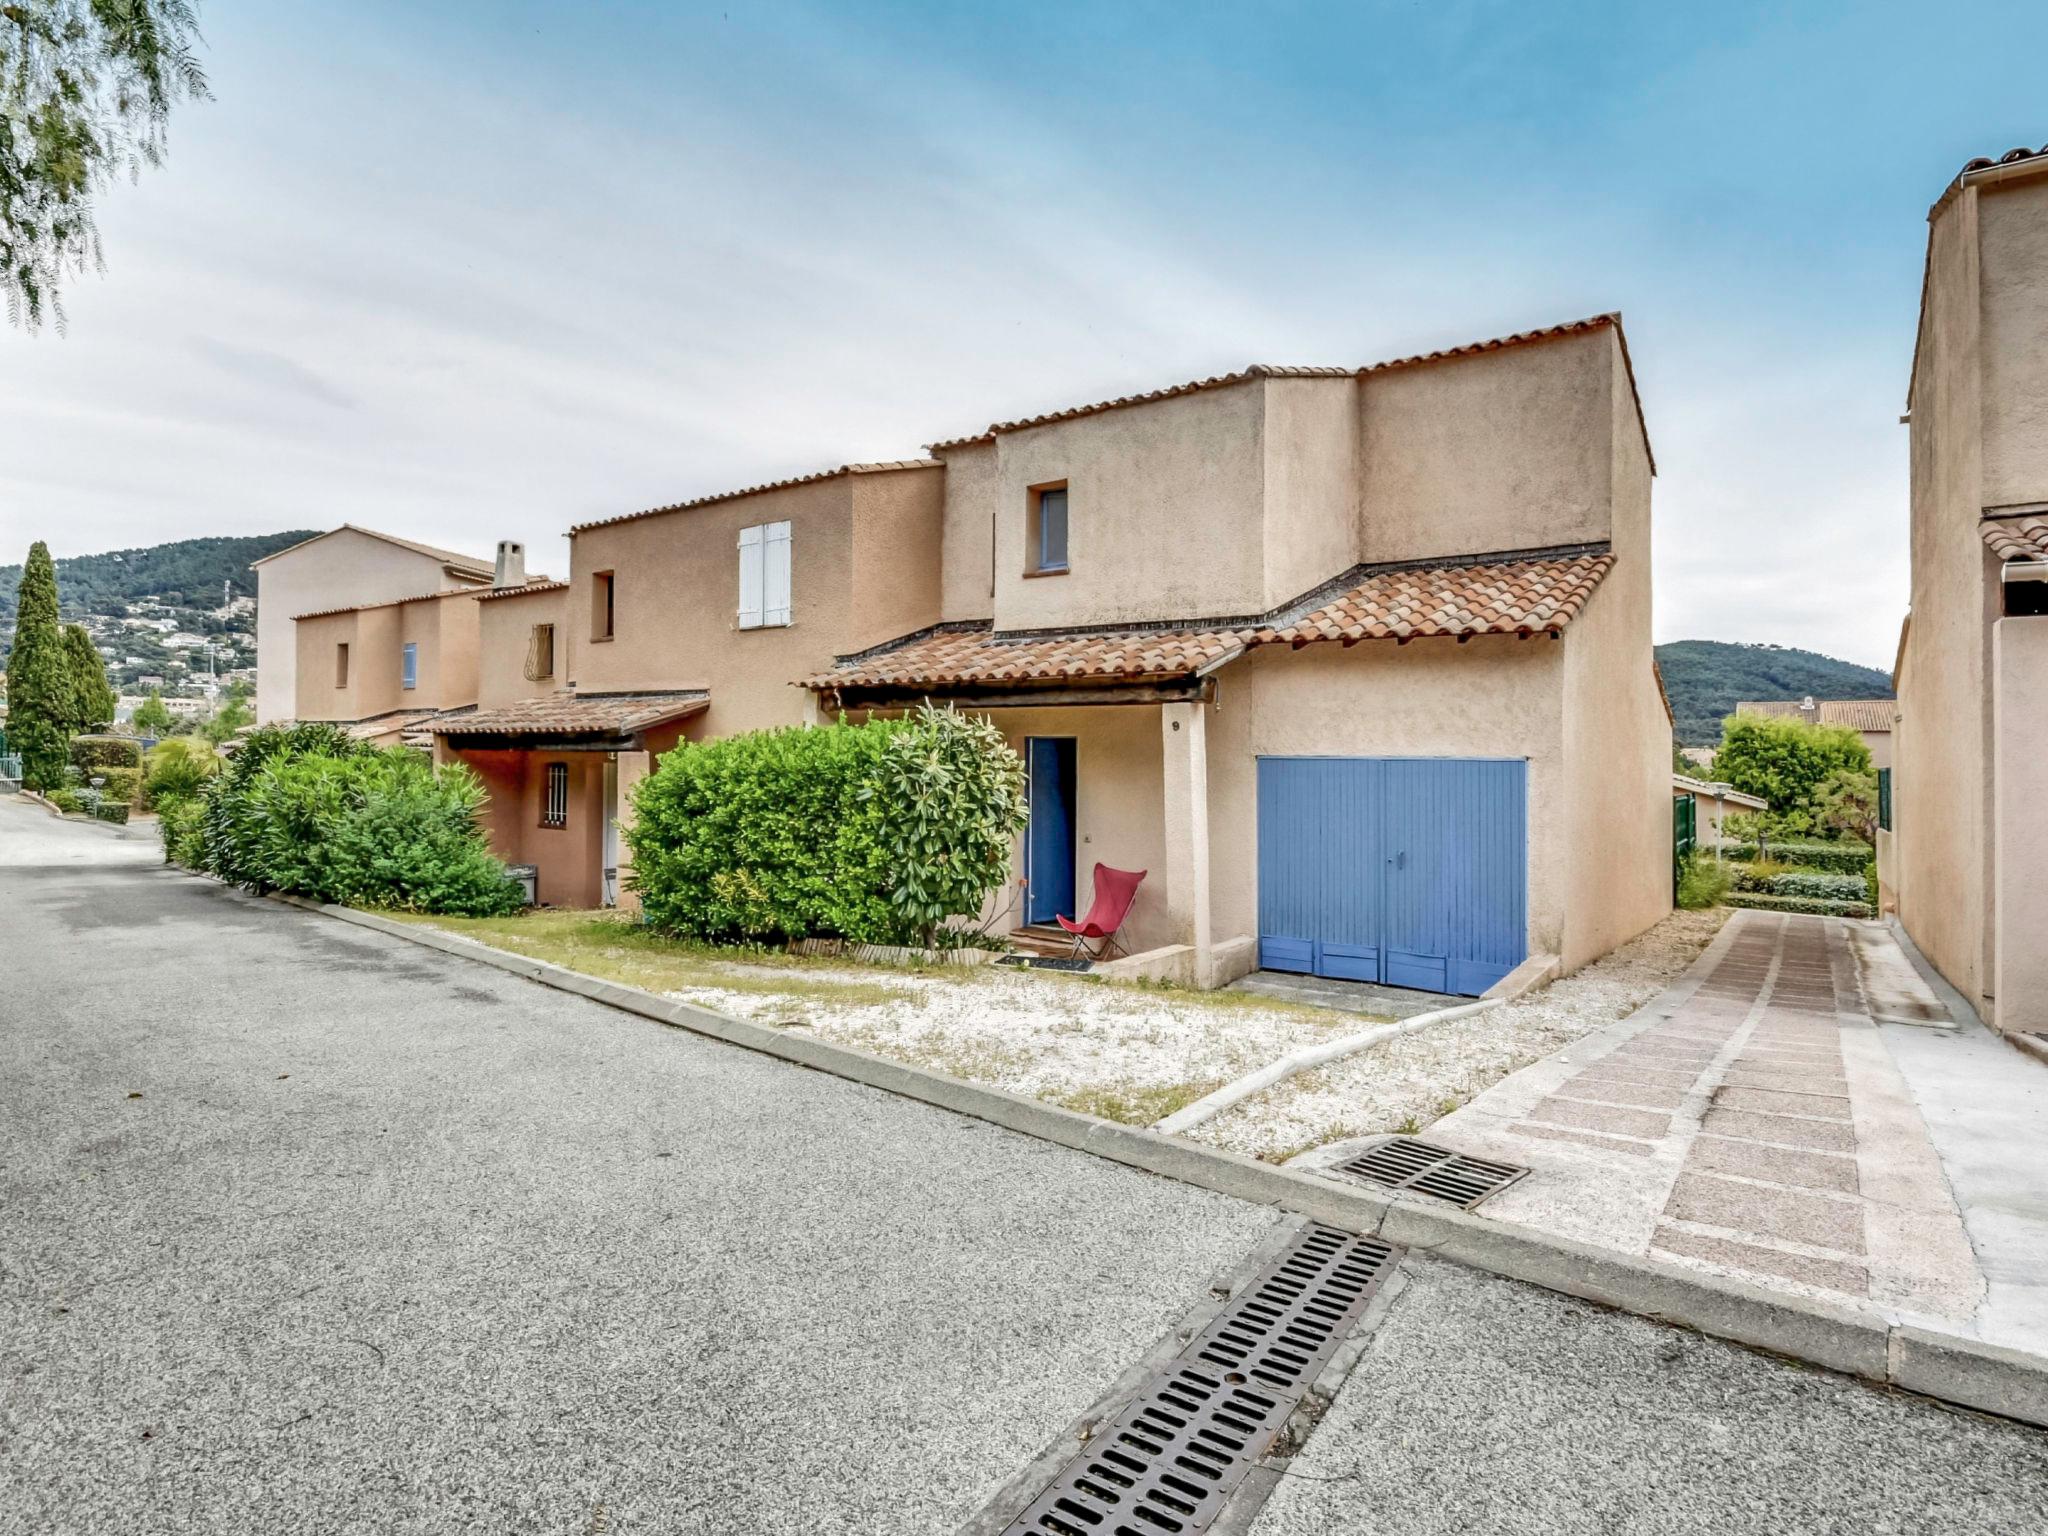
(308, 810)
(112, 810)
(121, 784)
(1843, 858)
(1821, 887)
(1811, 904)
(877, 832)
(91, 754)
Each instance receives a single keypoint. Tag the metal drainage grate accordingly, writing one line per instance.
(1405, 1163)
(1170, 1461)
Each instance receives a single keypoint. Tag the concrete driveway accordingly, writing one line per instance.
(305, 1229)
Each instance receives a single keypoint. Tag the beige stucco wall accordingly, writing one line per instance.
(894, 572)
(968, 544)
(316, 695)
(1312, 490)
(444, 629)
(1494, 697)
(1503, 450)
(1163, 502)
(676, 604)
(346, 568)
(2013, 225)
(1119, 811)
(2020, 733)
(1941, 766)
(1617, 735)
(567, 858)
(505, 628)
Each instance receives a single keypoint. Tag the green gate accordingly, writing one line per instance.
(1685, 836)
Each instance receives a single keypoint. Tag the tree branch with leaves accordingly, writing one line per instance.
(86, 91)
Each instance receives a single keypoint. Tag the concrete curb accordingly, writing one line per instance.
(2009, 1382)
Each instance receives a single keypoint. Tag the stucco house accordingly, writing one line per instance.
(345, 567)
(1354, 662)
(1870, 719)
(1965, 852)
(385, 668)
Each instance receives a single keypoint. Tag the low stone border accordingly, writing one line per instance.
(890, 954)
(2009, 1382)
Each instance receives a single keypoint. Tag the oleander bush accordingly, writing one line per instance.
(877, 832)
(310, 811)
(177, 769)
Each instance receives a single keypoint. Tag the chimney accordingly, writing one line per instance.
(511, 565)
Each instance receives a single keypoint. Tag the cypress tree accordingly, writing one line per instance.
(39, 689)
(92, 696)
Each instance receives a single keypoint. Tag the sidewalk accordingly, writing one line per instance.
(1757, 1120)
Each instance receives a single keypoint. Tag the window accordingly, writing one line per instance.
(540, 653)
(554, 800)
(341, 666)
(1047, 533)
(412, 664)
(601, 606)
(764, 576)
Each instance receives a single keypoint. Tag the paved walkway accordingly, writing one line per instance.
(1754, 1121)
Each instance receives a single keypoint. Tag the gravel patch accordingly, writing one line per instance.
(1127, 1053)
(1415, 1079)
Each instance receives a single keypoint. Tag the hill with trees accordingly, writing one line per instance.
(156, 615)
(1707, 678)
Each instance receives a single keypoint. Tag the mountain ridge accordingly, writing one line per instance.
(1706, 679)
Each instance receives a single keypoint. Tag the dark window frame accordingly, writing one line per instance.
(554, 796)
(604, 605)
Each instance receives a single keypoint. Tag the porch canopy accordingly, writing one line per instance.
(1172, 661)
(569, 722)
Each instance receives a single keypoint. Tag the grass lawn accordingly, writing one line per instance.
(1132, 1053)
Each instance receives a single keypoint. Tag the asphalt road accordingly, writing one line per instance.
(303, 1228)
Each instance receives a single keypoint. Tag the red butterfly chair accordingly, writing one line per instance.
(1115, 890)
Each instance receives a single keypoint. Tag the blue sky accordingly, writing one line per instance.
(478, 271)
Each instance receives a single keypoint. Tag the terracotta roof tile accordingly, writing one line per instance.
(2017, 538)
(1485, 597)
(1859, 714)
(1276, 371)
(542, 584)
(570, 714)
(390, 602)
(882, 467)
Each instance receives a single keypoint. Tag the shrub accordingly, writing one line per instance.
(66, 800)
(876, 832)
(1870, 886)
(177, 770)
(1821, 887)
(112, 810)
(1800, 904)
(764, 836)
(377, 829)
(121, 784)
(91, 754)
(177, 824)
(951, 793)
(1702, 883)
(1836, 858)
(309, 810)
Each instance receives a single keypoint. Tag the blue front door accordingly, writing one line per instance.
(1409, 871)
(1049, 843)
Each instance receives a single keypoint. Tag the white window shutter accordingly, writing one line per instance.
(775, 574)
(750, 578)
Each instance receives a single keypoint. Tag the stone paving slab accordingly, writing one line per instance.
(1749, 1122)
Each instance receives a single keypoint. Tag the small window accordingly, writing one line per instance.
(764, 576)
(412, 664)
(554, 803)
(601, 606)
(540, 653)
(1048, 530)
(341, 665)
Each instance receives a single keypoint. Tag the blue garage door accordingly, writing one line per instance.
(1405, 870)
